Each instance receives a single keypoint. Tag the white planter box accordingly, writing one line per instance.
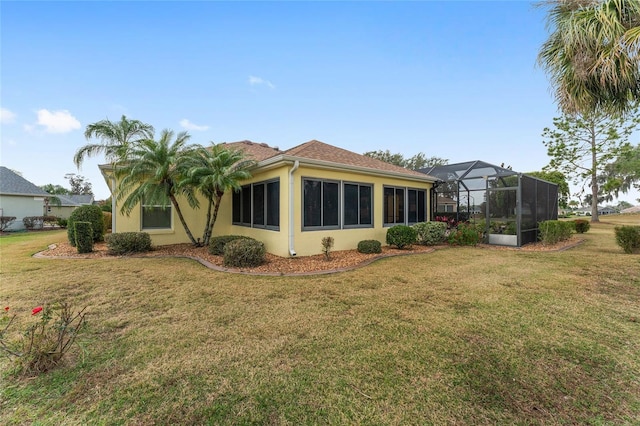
(503, 240)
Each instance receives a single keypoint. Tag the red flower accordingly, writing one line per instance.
(36, 310)
(6, 309)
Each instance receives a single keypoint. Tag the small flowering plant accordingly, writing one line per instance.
(46, 339)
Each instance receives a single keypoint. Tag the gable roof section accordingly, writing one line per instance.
(324, 154)
(74, 199)
(12, 183)
(253, 150)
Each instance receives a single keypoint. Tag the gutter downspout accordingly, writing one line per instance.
(292, 251)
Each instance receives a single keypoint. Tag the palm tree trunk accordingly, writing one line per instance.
(216, 201)
(206, 233)
(184, 223)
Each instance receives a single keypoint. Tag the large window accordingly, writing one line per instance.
(357, 205)
(156, 216)
(331, 204)
(404, 206)
(258, 205)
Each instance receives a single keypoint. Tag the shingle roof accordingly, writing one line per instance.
(320, 151)
(255, 151)
(74, 199)
(316, 150)
(12, 183)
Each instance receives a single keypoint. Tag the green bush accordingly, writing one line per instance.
(628, 237)
(62, 223)
(554, 231)
(5, 221)
(84, 236)
(244, 252)
(430, 233)
(466, 234)
(128, 242)
(91, 214)
(216, 245)
(581, 225)
(369, 246)
(107, 216)
(401, 236)
(33, 222)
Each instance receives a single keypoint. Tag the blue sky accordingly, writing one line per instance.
(456, 80)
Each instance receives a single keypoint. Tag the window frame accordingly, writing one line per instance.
(163, 207)
(340, 205)
(360, 185)
(406, 206)
(247, 194)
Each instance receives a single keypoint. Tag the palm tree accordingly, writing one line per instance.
(151, 172)
(116, 139)
(213, 171)
(592, 56)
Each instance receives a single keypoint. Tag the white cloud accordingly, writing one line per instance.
(57, 121)
(256, 81)
(6, 116)
(191, 126)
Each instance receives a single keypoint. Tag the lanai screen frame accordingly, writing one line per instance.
(509, 197)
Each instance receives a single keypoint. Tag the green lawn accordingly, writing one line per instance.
(458, 336)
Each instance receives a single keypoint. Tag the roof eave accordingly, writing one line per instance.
(277, 160)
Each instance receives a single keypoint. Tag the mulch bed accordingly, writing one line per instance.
(276, 265)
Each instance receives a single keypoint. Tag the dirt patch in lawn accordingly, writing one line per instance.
(276, 265)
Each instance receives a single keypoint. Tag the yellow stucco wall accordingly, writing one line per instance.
(277, 242)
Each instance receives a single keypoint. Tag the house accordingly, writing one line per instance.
(68, 203)
(19, 198)
(297, 197)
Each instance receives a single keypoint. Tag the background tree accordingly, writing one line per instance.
(559, 179)
(212, 172)
(151, 173)
(581, 146)
(418, 161)
(79, 184)
(622, 174)
(592, 54)
(55, 189)
(116, 139)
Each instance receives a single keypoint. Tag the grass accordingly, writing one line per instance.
(461, 335)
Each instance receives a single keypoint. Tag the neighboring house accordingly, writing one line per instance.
(296, 197)
(68, 203)
(19, 198)
(631, 210)
(446, 204)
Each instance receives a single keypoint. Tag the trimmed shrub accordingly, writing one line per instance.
(244, 252)
(581, 225)
(33, 222)
(628, 237)
(62, 223)
(401, 236)
(84, 236)
(107, 216)
(554, 231)
(369, 246)
(5, 221)
(128, 242)
(327, 245)
(91, 214)
(216, 245)
(466, 234)
(430, 233)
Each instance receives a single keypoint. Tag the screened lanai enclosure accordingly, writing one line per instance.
(509, 204)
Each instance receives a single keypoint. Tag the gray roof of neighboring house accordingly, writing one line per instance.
(74, 199)
(12, 183)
